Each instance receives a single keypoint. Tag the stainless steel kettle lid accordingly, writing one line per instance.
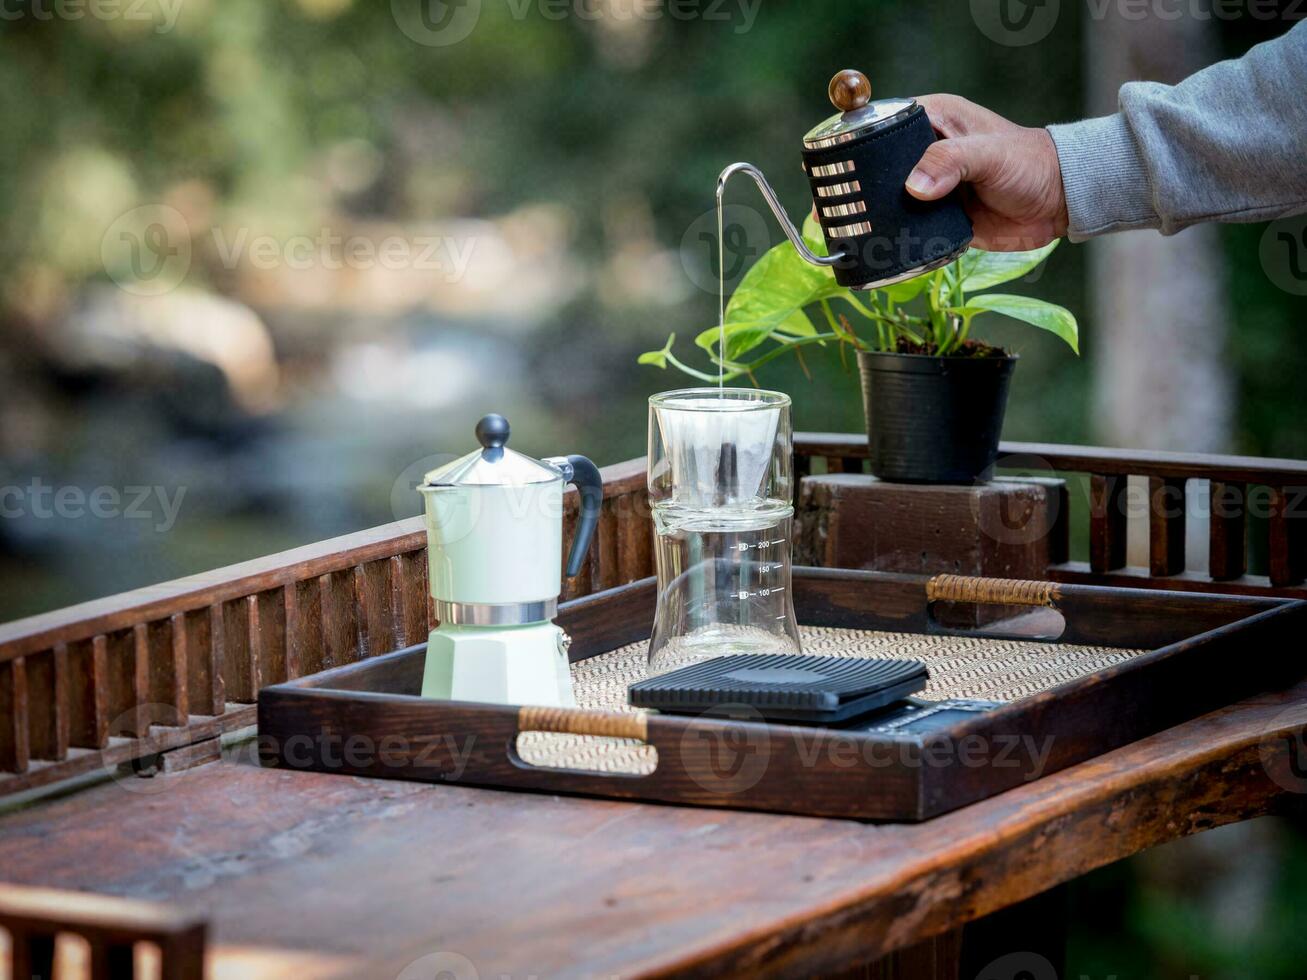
(850, 92)
(494, 464)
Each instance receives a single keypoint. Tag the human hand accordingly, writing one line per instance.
(1012, 181)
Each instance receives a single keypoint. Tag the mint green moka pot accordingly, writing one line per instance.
(495, 554)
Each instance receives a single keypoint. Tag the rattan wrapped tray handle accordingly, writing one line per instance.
(995, 591)
(578, 721)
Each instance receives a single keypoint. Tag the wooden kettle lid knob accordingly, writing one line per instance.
(849, 90)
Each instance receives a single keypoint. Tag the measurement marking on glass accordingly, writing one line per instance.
(745, 546)
(757, 593)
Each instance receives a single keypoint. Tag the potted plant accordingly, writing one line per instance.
(934, 396)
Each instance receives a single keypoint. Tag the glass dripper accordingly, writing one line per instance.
(721, 486)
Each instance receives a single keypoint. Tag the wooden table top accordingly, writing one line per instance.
(310, 874)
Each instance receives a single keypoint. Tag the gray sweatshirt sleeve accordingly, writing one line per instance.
(1229, 143)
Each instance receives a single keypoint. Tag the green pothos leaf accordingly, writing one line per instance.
(1057, 320)
(909, 289)
(658, 358)
(981, 269)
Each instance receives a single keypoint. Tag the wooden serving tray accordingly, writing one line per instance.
(1189, 654)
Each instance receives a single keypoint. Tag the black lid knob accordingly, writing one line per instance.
(492, 432)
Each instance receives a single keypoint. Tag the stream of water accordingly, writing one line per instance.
(721, 286)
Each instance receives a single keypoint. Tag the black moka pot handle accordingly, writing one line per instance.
(581, 472)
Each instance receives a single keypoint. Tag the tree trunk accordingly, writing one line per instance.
(1161, 376)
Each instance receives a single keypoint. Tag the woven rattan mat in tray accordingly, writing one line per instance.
(960, 667)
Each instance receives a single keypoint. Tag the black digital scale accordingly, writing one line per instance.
(870, 695)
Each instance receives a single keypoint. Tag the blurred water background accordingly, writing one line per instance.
(262, 259)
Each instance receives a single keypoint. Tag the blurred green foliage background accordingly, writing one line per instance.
(575, 157)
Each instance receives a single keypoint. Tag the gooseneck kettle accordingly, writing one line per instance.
(494, 522)
(857, 162)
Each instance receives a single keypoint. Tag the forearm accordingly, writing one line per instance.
(1229, 143)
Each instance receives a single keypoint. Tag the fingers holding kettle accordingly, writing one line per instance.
(948, 162)
(1014, 183)
(953, 116)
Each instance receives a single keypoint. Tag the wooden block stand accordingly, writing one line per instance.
(1009, 528)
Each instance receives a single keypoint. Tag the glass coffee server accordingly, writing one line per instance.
(721, 485)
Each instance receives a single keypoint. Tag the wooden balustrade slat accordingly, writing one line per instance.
(608, 573)
(1227, 535)
(1286, 557)
(47, 692)
(254, 625)
(337, 616)
(127, 657)
(412, 595)
(1166, 525)
(398, 608)
(217, 693)
(375, 621)
(240, 662)
(1059, 535)
(346, 619)
(14, 755)
(802, 468)
(182, 954)
(196, 638)
(165, 657)
(142, 646)
(1278, 559)
(203, 634)
(31, 954)
(177, 680)
(1107, 522)
(634, 538)
(268, 636)
(88, 693)
(112, 961)
(303, 627)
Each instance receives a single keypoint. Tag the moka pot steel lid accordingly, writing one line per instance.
(493, 465)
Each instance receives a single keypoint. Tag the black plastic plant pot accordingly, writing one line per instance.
(934, 419)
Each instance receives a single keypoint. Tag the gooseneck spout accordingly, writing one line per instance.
(792, 233)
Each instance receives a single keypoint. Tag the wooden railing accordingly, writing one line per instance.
(139, 674)
(1239, 487)
(112, 928)
(148, 672)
